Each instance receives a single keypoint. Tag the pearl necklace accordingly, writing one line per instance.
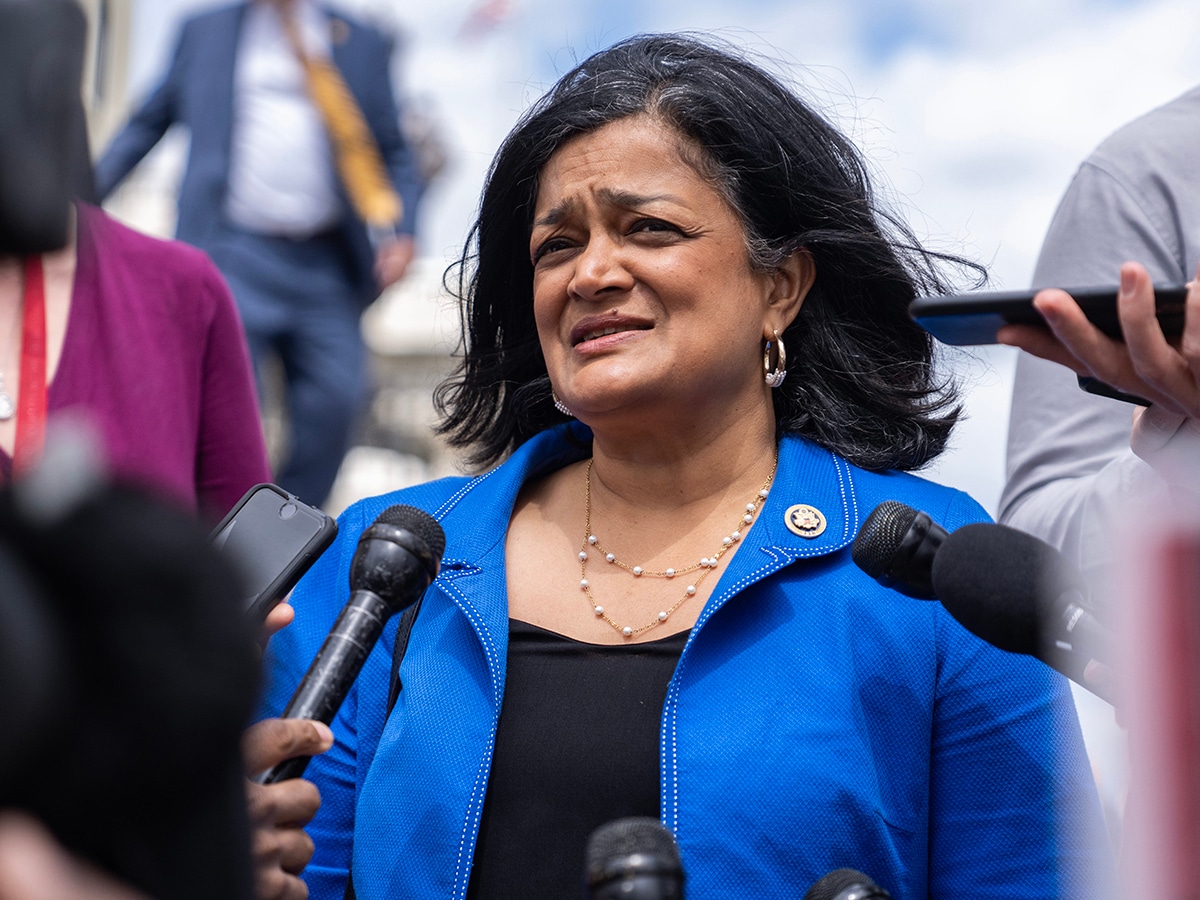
(705, 565)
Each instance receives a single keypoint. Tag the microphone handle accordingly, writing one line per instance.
(332, 672)
(640, 886)
(1075, 638)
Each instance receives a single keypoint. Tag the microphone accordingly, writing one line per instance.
(1020, 594)
(1006, 587)
(896, 546)
(397, 556)
(635, 858)
(846, 884)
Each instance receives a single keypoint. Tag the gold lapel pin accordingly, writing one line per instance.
(804, 520)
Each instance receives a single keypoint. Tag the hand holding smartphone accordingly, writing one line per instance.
(966, 319)
(273, 538)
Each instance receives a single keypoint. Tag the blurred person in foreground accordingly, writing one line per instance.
(1079, 464)
(129, 673)
(127, 670)
(301, 187)
(139, 336)
(686, 345)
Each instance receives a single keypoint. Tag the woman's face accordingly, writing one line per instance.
(642, 288)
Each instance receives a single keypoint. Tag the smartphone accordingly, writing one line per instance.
(962, 319)
(273, 538)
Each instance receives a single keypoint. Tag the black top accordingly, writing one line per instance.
(577, 746)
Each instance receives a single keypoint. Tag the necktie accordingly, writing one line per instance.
(356, 153)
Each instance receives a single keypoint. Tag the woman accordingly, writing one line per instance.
(652, 610)
(140, 337)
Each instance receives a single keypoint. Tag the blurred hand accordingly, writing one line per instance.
(280, 616)
(1145, 364)
(392, 258)
(33, 866)
(278, 812)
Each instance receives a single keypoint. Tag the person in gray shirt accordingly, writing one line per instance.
(1078, 464)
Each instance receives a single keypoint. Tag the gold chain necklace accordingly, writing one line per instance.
(705, 565)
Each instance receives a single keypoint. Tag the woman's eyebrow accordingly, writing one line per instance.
(626, 199)
(630, 199)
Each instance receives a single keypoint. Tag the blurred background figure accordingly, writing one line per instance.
(137, 335)
(1077, 462)
(301, 187)
(1086, 472)
(126, 667)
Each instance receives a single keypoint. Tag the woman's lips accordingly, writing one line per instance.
(605, 329)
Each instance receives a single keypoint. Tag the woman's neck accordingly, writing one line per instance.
(669, 469)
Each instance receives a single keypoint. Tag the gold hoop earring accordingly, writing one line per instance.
(560, 406)
(774, 376)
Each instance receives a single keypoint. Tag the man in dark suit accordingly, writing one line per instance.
(265, 193)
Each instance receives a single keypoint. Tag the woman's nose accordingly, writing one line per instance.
(600, 269)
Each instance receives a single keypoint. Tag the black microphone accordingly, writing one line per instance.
(1007, 587)
(1022, 595)
(846, 884)
(397, 557)
(896, 546)
(633, 859)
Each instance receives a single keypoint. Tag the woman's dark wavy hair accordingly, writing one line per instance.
(861, 380)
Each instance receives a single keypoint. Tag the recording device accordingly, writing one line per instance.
(128, 676)
(1005, 586)
(635, 858)
(1020, 594)
(273, 537)
(44, 159)
(32, 668)
(896, 546)
(846, 884)
(964, 319)
(397, 557)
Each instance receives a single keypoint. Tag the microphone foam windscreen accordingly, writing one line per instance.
(995, 580)
(626, 837)
(419, 522)
(880, 537)
(832, 885)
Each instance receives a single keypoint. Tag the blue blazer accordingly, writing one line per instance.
(815, 719)
(198, 93)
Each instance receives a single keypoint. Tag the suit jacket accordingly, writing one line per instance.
(198, 93)
(815, 718)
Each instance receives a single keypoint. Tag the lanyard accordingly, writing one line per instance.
(31, 402)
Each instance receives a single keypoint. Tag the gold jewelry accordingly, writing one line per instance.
(774, 377)
(706, 564)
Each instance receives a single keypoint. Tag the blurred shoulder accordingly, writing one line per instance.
(348, 29)
(119, 242)
(1160, 140)
(215, 17)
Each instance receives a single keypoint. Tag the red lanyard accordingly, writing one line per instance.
(31, 401)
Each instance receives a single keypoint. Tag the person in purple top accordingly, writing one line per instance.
(143, 341)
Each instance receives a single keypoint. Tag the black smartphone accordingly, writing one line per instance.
(273, 538)
(963, 319)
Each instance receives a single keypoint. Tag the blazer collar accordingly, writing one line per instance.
(474, 530)
(808, 476)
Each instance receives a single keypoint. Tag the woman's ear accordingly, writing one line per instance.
(791, 282)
